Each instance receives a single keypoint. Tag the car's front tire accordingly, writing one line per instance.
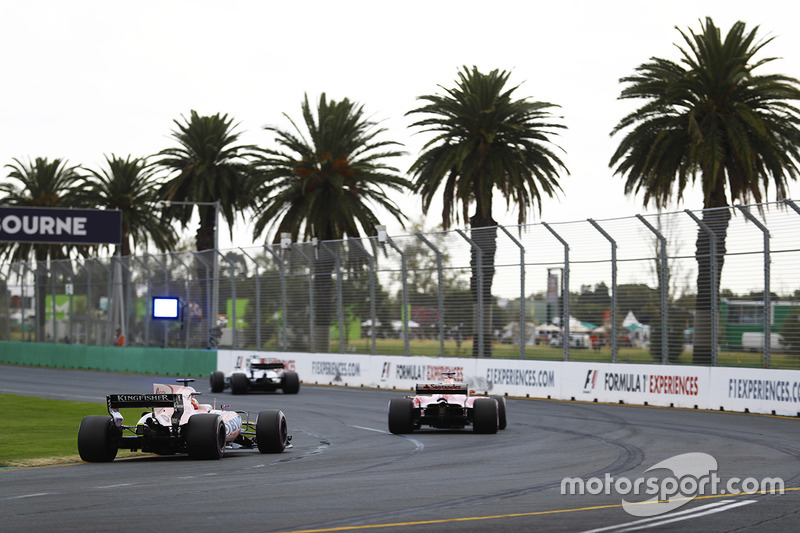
(272, 433)
(217, 381)
(291, 383)
(485, 415)
(401, 415)
(239, 383)
(205, 437)
(98, 439)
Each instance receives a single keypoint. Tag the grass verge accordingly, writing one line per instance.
(38, 431)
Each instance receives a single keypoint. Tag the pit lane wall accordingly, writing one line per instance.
(693, 387)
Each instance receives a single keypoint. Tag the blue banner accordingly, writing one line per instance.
(67, 226)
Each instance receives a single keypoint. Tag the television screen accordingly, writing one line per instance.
(166, 307)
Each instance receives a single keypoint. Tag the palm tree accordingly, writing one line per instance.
(41, 183)
(710, 119)
(129, 185)
(324, 183)
(484, 139)
(208, 166)
(209, 171)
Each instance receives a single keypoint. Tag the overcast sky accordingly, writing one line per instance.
(82, 79)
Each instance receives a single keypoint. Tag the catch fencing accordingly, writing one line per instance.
(631, 289)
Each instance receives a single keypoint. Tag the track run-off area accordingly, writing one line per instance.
(346, 472)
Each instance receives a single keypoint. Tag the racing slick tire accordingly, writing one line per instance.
(217, 381)
(485, 415)
(272, 434)
(205, 436)
(401, 416)
(501, 412)
(291, 383)
(98, 439)
(239, 383)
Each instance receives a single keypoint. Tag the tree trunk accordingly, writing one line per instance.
(204, 273)
(324, 308)
(707, 287)
(484, 234)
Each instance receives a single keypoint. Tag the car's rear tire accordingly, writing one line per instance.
(272, 433)
(401, 415)
(205, 437)
(239, 383)
(485, 415)
(291, 383)
(502, 422)
(98, 439)
(217, 381)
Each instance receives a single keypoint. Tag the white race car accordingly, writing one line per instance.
(177, 423)
(447, 405)
(259, 374)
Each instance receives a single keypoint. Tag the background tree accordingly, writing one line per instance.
(207, 166)
(129, 185)
(324, 182)
(709, 119)
(48, 184)
(484, 139)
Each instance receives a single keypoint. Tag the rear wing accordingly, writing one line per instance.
(122, 401)
(442, 388)
(267, 366)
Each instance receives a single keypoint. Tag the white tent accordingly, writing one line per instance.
(631, 321)
(575, 325)
(397, 325)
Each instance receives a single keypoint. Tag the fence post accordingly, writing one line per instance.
(233, 298)
(7, 307)
(522, 329)
(149, 299)
(311, 317)
(310, 262)
(258, 301)
(282, 271)
(403, 272)
(89, 307)
(339, 304)
(479, 265)
(163, 265)
(50, 273)
(109, 275)
(767, 299)
(613, 287)
(372, 317)
(187, 299)
(66, 266)
(662, 282)
(712, 239)
(564, 291)
(439, 294)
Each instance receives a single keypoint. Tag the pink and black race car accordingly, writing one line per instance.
(177, 423)
(447, 405)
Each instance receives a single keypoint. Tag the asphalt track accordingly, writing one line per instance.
(345, 472)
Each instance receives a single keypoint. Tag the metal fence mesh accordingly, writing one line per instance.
(600, 290)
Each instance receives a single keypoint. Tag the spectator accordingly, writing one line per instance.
(119, 338)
